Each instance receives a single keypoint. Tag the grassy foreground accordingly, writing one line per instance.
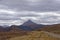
(35, 35)
(8, 35)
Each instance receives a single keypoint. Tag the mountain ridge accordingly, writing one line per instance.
(29, 26)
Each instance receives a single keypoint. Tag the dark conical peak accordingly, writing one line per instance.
(29, 22)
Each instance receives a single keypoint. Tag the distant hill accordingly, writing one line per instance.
(52, 28)
(1, 29)
(14, 28)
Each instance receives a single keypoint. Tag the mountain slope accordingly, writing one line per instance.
(29, 25)
(52, 28)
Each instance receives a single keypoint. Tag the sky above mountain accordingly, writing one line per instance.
(39, 11)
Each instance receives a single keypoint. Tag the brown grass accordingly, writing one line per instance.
(52, 28)
(8, 35)
(35, 35)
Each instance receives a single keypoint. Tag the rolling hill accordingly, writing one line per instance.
(52, 28)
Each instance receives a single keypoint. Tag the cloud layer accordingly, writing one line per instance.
(32, 5)
(39, 11)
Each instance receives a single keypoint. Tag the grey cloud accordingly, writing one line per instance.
(33, 9)
(49, 19)
(8, 17)
(21, 5)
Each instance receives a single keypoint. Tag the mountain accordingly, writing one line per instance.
(29, 25)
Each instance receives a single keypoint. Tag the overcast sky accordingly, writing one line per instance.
(39, 11)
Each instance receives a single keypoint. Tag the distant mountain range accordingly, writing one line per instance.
(30, 26)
